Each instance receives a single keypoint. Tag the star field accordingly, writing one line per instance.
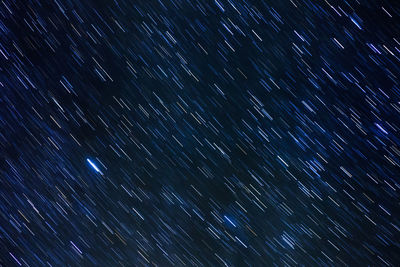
(199, 133)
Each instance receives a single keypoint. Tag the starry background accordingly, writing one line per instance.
(199, 133)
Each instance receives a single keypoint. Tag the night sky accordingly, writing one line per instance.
(199, 133)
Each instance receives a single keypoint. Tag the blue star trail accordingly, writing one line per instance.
(94, 166)
(199, 133)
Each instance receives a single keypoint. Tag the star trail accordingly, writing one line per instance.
(199, 133)
(94, 166)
